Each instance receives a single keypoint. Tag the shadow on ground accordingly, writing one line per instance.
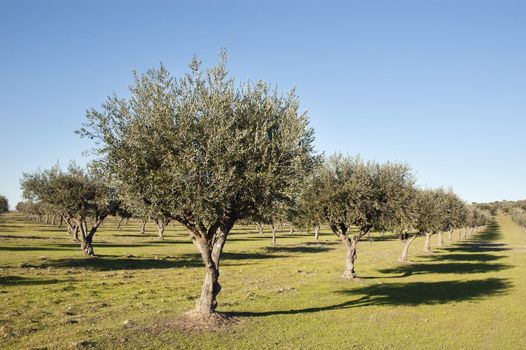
(24, 281)
(299, 249)
(109, 262)
(412, 294)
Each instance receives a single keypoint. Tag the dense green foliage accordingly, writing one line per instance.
(76, 195)
(204, 152)
(4, 204)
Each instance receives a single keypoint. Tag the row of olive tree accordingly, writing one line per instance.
(210, 153)
(518, 215)
(353, 197)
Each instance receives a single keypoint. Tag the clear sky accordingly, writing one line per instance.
(440, 85)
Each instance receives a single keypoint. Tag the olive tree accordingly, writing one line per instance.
(76, 194)
(4, 204)
(310, 203)
(365, 195)
(453, 212)
(204, 151)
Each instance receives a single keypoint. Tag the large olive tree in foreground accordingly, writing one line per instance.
(204, 151)
(363, 195)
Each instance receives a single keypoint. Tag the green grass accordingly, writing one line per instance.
(468, 295)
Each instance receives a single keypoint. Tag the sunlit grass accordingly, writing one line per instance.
(469, 295)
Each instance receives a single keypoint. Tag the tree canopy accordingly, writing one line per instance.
(204, 151)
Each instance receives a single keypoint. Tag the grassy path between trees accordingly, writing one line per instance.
(467, 295)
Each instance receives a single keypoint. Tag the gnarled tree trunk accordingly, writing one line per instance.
(260, 228)
(143, 227)
(350, 257)
(211, 254)
(316, 232)
(406, 242)
(161, 226)
(86, 242)
(427, 243)
(440, 242)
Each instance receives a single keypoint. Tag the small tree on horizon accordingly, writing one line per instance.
(4, 204)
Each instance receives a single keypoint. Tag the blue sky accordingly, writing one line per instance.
(440, 85)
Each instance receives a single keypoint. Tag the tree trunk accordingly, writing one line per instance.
(161, 225)
(427, 243)
(440, 239)
(350, 258)
(406, 241)
(47, 219)
(86, 242)
(53, 220)
(450, 236)
(291, 230)
(61, 221)
(260, 228)
(75, 232)
(143, 227)
(211, 255)
(316, 232)
(87, 238)
(273, 228)
(120, 223)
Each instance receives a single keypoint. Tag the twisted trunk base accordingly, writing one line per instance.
(427, 243)
(350, 258)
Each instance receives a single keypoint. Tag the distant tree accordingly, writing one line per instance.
(275, 214)
(123, 214)
(20, 206)
(362, 194)
(4, 204)
(205, 152)
(161, 221)
(76, 194)
(310, 203)
(427, 220)
(453, 214)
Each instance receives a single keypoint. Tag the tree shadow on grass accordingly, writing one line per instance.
(299, 249)
(23, 237)
(454, 267)
(465, 257)
(481, 242)
(109, 263)
(39, 248)
(24, 281)
(227, 257)
(100, 263)
(405, 294)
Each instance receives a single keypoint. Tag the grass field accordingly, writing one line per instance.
(468, 295)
